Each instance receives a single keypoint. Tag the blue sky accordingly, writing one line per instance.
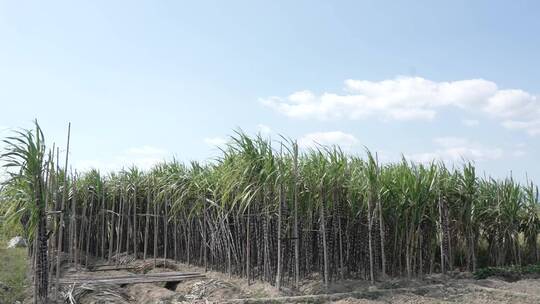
(142, 81)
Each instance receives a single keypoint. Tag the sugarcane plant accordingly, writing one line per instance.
(26, 189)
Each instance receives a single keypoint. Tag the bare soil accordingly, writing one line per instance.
(217, 287)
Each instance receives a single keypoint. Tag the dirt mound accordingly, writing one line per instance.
(358, 301)
(211, 289)
(151, 265)
(96, 294)
(317, 287)
(122, 258)
(150, 293)
(218, 287)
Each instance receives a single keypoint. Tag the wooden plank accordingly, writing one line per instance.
(132, 280)
(149, 275)
(112, 267)
(154, 278)
(104, 279)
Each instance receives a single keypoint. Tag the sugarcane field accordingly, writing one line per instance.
(243, 152)
(266, 223)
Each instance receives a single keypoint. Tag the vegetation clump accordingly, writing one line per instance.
(12, 273)
(510, 273)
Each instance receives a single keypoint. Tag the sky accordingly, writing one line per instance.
(143, 81)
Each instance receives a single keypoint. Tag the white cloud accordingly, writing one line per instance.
(146, 150)
(264, 129)
(532, 127)
(511, 104)
(520, 150)
(102, 165)
(215, 141)
(470, 122)
(144, 157)
(413, 98)
(456, 149)
(519, 153)
(344, 140)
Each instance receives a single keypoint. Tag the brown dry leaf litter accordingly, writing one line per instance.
(218, 288)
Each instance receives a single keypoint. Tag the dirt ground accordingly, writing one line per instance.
(220, 288)
(487, 291)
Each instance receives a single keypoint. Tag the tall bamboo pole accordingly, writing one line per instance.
(381, 231)
(120, 231)
(205, 241)
(74, 220)
(156, 214)
(146, 224)
(112, 226)
(134, 235)
(248, 245)
(442, 236)
(323, 234)
(88, 231)
(278, 275)
(129, 227)
(175, 235)
(103, 221)
(83, 226)
(62, 212)
(370, 242)
(337, 210)
(56, 221)
(296, 235)
(165, 227)
(48, 193)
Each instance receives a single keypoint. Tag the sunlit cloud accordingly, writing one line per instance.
(414, 98)
(144, 157)
(215, 141)
(456, 149)
(339, 138)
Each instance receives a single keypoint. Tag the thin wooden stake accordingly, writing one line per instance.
(134, 235)
(146, 224)
(62, 209)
